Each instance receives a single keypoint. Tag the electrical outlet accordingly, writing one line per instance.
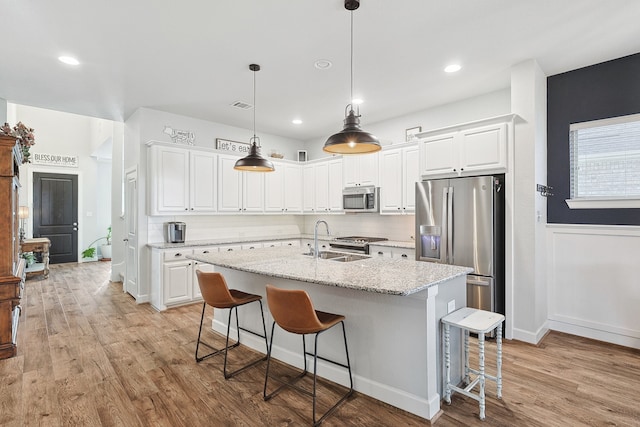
(451, 306)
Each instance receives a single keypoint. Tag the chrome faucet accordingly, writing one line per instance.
(315, 237)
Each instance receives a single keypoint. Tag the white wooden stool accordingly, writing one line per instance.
(480, 322)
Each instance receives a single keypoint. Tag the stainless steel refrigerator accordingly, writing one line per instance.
(460, 221)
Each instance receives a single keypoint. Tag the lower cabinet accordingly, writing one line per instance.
(390, 252)
(173, 276)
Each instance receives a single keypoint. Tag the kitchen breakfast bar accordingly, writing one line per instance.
(392, 307)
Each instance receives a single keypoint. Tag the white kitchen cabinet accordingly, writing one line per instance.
(177, 277)
(239, 192)
(202, 266)
(251, 245)
(323, 187)
(360, 170)
(468, 149)
(391, 252)
(283, 189)
(181, 180)
(399, 171)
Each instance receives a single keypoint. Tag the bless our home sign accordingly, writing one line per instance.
(54, 160)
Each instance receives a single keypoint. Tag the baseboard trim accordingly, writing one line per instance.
(596, 334)
(531, 337)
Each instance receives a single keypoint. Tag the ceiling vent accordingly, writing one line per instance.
(242, 105)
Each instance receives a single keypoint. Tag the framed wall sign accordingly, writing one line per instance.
(232, 146)
(54, 160)
(412, 132)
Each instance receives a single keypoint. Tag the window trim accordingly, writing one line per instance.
(602, 202)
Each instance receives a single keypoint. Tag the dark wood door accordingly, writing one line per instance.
(55, 214)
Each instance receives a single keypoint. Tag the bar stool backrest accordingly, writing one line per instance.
(293, 310)
(214, 289)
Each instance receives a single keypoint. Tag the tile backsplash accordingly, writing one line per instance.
(242, 226)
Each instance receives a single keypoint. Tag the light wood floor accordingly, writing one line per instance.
(89, 356)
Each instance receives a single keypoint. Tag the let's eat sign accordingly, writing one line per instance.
(233, 146)
(54, 160)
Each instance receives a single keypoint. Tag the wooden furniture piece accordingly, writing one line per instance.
(41, 245)
(480, 322)
(217, 294)
(11, 265)
(293, 311)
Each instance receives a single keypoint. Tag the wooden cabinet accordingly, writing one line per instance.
(11, 265)
(40, 245)
(181, 180)
(467, 149)
(399, 171)
(360, 170)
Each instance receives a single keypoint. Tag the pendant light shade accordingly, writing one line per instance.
(352, 139)
(254, 162)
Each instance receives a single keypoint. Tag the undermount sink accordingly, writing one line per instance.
(338, 256)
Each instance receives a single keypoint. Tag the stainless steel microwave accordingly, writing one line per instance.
(361, 199)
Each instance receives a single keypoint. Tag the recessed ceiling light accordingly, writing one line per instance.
(323, 64)
(69, 60)
(357, 101)
(296, 121)
(452, 68)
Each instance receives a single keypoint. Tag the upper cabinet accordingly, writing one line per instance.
(322, 184)
(360, 170)
(283, 189)
(239, 192)
(181, 181)
(467, 149)
(399, 171)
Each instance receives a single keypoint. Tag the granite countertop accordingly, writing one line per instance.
(379, 275)
(231, 240)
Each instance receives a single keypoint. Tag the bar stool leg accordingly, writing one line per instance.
(499, 360)
(447, 364)
(467, 380)
(481, 374)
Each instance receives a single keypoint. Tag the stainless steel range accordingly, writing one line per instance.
(356, 244)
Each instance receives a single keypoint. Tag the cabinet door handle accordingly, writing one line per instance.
(380, 253)
(205, 252)
(229, 250)
(177, 255)
(404, 256)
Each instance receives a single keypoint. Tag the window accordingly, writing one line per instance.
(605, 163)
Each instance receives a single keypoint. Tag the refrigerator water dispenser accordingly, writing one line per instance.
(430, 241)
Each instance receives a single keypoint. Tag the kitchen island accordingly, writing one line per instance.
(392, 308)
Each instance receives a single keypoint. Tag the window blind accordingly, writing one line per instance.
(605, 158)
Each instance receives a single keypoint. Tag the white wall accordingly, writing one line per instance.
(594, 289)
(392, 131)
(3, 112)
(529, 295)
(68, 134)
(153, 123)
(393, 227)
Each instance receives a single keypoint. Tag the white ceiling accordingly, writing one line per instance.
(191, 57)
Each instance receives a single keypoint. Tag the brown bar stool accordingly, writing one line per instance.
(293, 311)
(217, 294)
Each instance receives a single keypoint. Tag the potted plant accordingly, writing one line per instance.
(105, 249)
(24, 136)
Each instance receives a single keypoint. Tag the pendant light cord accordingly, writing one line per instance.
(254, 105)
(351, 100)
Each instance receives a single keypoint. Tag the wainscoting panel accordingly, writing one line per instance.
(594, 282)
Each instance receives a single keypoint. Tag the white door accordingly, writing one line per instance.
(131, 240)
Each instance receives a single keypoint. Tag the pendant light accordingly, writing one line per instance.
(254, 162)
(352, 139)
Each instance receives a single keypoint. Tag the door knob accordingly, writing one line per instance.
(75, 224)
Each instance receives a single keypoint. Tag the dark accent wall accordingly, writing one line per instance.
(600, 91)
